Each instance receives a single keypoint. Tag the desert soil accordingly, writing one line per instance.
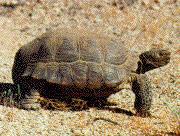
(140, 24)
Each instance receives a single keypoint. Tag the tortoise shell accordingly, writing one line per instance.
(74, 58)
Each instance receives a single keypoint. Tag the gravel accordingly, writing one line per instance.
(141, 25)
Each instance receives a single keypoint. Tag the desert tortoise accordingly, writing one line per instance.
(84, 64)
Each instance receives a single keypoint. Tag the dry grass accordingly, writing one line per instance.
(53, 104)
(10, 98)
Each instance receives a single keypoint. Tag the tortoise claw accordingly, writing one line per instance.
(30, 105)
(143, 114)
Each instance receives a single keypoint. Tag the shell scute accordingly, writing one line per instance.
(115, 53)
(79, 72)
(90, 50)
(67, 51)
(95, 76)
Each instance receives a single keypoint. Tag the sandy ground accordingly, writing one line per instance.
(140, 24)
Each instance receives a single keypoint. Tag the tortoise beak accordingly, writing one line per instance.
(165, 53)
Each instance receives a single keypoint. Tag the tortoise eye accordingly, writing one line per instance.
(161, 54)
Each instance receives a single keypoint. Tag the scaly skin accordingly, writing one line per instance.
(31, 93)
(142, 89)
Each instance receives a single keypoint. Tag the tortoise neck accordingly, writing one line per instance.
(144, 67)
(139, 69)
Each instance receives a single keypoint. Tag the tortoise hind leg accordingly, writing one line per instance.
(31, 95)
(143, 95)
(30, 100)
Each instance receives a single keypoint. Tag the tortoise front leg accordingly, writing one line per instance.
(143, 95)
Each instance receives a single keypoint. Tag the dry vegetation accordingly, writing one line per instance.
(141, 25)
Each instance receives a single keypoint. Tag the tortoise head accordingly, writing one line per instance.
(152, 59)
